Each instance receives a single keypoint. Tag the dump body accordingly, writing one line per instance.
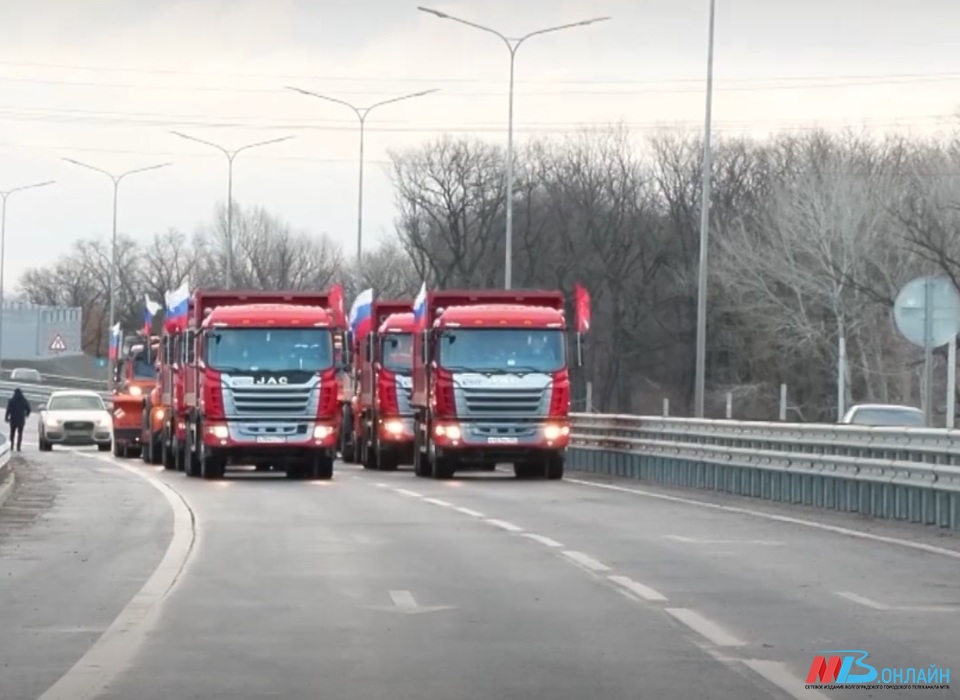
(383, 415)
(260, 384)
(172, 352)
(491, 382)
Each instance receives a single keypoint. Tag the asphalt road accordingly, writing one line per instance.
(386, 586)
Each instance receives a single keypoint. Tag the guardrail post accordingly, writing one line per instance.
(783, 402)
(729, 405)
(666, 407)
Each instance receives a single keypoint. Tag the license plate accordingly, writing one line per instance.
(272, 439)
(502, 440)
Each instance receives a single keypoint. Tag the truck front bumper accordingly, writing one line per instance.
(488, 441)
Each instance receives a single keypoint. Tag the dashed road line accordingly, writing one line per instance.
(707, 629)
(585, 561)
(438, 502)
(504, 525)
(546, 541)
(469, 511)
(777, 673)
(407, 492)
(638, 589)
(919, 546)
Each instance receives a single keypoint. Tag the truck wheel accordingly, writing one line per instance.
(118, 450)
(295, 470)
(444, 468)
(555, 465)
(156, 449)
(101, 448)
(421, 465)
(388, 460)
(211, 464)
(527, 470)
(191, 461)
(321, 467)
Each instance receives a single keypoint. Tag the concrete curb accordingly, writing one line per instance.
(7, 482)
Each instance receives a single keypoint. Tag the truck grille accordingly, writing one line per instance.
(503, 401)
(273, 400)
(404, 399)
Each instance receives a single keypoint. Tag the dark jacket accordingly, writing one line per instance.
(18, 408)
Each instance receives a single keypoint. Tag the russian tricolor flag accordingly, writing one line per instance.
(114, 349)
(150, 310)
(420, 308)
(176, 302)
(361, 314)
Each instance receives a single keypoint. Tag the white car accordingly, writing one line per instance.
(75, 417)
(885, 414)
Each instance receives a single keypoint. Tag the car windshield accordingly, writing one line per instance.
(75, 402)
(269, 349)
(396, 352)
(503, 350)
(888, 416)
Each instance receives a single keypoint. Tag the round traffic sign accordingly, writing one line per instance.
(910, 312)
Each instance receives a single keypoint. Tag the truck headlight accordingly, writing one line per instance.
(136, 391)
(553, 432)
(451, 432)
(220, 432)
(394, 427)
(322, 431)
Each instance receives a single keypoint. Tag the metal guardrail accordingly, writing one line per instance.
(907, 474)
(40, 393)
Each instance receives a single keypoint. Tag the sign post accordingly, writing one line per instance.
(927, 313)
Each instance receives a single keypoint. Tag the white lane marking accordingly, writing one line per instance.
(584, 560)
(407, 492)
(116, 648)
(778, 674)
(861, 600)
(691, 540)
(6, 490)
(468, 511)
(874, 605)
(504, 525)
(710, 631)
(382, 486)
(403, 599)
(438, 502)
(638, 589)
(546, 541)
(929, 548)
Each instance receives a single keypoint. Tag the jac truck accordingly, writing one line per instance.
(491, 383)
(382, 425)
(260, 383)
(135, 375)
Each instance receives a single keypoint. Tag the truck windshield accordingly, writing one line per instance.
(269, 349)
(143, 368)
(503, 350)
(396, 352)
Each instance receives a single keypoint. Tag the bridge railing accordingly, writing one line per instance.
(905, 474)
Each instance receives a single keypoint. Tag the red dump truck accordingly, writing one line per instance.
(491, 383)
(260, 383)
(382, 414)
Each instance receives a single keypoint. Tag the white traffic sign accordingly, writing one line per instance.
(57, 344)
(936, 324)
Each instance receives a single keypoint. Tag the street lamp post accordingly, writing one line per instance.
(116, 179)
(512, 46)
(4, 194)
(362, 113)
(230, 156)
(699, 391)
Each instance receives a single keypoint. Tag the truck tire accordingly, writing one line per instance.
(444, 467)
(555, 466)
(295, 470)
(528, 470)
(212, 465)
(388, 460)
(321, 467)
(421, 462)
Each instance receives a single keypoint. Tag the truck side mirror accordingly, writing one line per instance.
(346, 353)
(189, 346)
(368, 346)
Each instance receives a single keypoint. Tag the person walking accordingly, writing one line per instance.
(18, 409)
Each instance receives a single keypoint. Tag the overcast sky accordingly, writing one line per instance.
(104, 81)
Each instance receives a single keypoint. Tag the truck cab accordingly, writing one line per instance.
(135, 375)
(491, 383)
(261, 383)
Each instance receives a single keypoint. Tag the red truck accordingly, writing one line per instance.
(381, 411)
(260, 383)
(491, 383)
(172, 409)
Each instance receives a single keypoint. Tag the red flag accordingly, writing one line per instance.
(582, 308)
(336, 303)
